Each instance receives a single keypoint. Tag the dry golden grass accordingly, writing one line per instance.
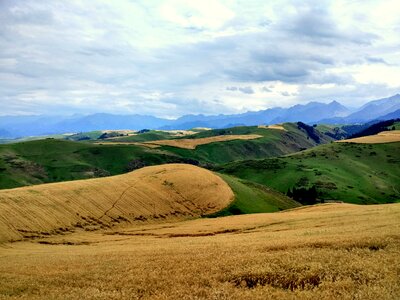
(193, 143)
(382, 137)
(122, 131)
(332, 251)
(154, 193)
(179, 133)
(276, 126)
(127, 143)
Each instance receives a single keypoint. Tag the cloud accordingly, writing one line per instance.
(232, 88)
(266, 89)
(316, 24)
(244, 90)
(376, 60)
(176, 57)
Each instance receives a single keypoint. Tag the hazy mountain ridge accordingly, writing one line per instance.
(376, 109)
(312, 112)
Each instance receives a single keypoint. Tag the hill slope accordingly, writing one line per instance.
(355, 173)
(158, 192)
(46, 161)
(272, 143)
(251, 198)
(51, 160)
(380, 138)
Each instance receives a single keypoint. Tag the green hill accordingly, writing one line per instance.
(355, 173)
(52, 160)
(273, 143)
(251, 197)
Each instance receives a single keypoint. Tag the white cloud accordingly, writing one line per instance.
(175, 57)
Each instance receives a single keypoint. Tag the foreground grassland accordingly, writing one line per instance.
(331, 251)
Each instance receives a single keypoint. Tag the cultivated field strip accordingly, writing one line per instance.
(380, 138)
(173, 191)
(275, 126)
(193, 143)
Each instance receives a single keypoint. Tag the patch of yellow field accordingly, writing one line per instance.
(380, 138)
(179, 133)
(202, 128)
(172, 191)
(127, 143)
(276, 126)
(331, 251)
(193, 143)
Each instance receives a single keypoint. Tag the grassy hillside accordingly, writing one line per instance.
(335, 251)
(153, 193)
(274, 142)
(194, 143)
(355, 173)
(380, 138)
(52, 160)
(152, 135)
(378, 127)
(251, 197)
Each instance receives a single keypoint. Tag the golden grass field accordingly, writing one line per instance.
(276, 126)
(330, 251)
(382, 137)
(193, 143)
(111, 141)
(173, 191)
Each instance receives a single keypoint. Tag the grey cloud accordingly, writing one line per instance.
(376, 60)
(314, 23)
(266, 89)
(84, 72)
(231, 88)
(244, 90)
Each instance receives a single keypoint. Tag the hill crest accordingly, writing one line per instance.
(172, 191)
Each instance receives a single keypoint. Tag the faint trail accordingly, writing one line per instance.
(116, 201)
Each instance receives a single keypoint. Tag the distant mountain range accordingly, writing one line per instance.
(313, 112)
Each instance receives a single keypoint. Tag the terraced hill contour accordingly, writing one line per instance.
(173, 191)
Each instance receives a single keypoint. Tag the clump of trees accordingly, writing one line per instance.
(310, 131)
(376, 128)
(111, 134)
(304, 195)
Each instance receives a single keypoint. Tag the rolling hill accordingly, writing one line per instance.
(51, 160)
(160, 192)
(151, 194)
(380, 138)
(349, 172)
(273, 142)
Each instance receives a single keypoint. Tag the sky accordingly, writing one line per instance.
(174, 57)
